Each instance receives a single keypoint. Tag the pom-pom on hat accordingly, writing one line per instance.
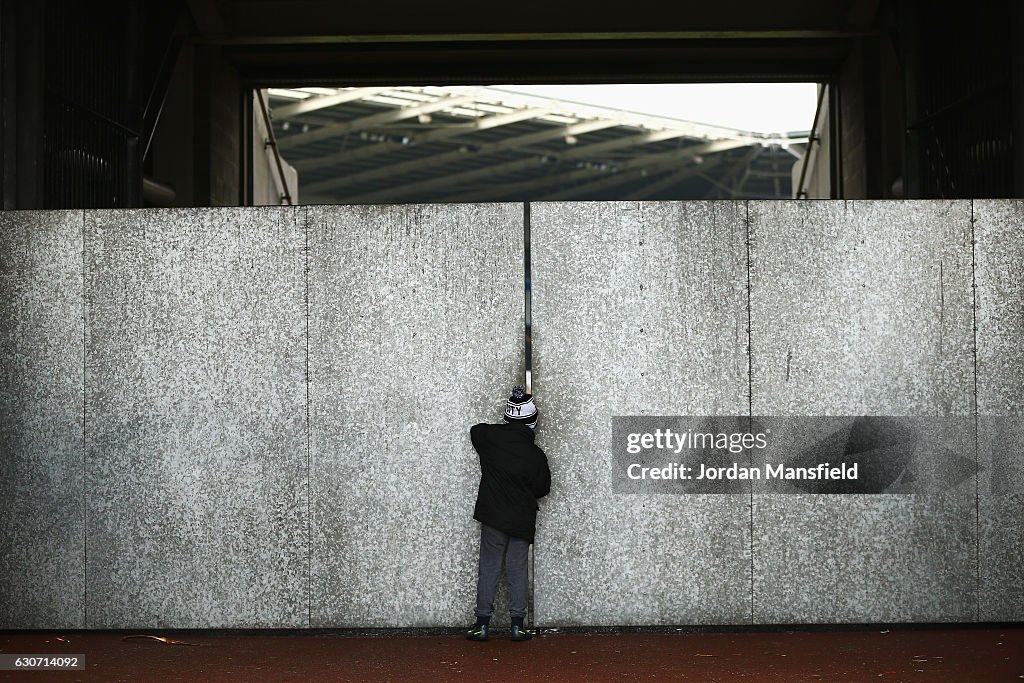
(521, 408)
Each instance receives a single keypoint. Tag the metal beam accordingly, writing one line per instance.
(509, 118)
(671, 178)
(311, 200)
(717, 184)
(731, 174)
(745, 165)
(647, 161)
(433, 136)
(796, 151)
(579, 191)
(391, 116)
(323, 101)
(583, 189)
(529, 37)
(522, 164)
(764, 174)
(440, 159)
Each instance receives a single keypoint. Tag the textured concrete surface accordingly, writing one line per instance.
(638, 309)
(893, 455)
(189, 466)
(999, 232)
(864, 559)
(42, 520)
(196, 426)
(863, 309)
(415, 334)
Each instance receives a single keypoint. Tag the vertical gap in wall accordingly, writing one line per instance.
(527, 298)
(750, 394)
(977, 449)
(528, 359)
(309, 539)
(85, 445)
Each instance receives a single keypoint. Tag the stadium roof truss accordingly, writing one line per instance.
(447, 144)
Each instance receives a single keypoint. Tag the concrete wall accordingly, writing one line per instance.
(261, 421)
(999, 231)
(638, 309)
(42, 487)
(256, 417)
(196, 471)
(863, 308)
(415, 332)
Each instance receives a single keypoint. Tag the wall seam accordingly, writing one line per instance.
(309, 538)
(85, 445)
(527, 297)
(977, 449)
(528, 353)
(750, 392)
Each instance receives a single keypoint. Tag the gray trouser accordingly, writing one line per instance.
(494, 546)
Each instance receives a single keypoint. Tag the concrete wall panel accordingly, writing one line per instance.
(42, 516)
(999, 231)
(196, 425)
(863, 309)
(416, 334)
(169, 465)
(638, 309)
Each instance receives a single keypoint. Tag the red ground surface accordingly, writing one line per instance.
(969, 655)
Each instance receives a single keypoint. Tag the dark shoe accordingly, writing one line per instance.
(477, 633)
(519, 633)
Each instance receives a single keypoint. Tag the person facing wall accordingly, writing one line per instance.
(514, 473)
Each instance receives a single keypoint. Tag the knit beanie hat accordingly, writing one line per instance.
(521, 408)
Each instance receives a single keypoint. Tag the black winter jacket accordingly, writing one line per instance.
(513, 475)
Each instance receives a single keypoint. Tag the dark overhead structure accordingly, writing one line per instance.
(126, 103)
